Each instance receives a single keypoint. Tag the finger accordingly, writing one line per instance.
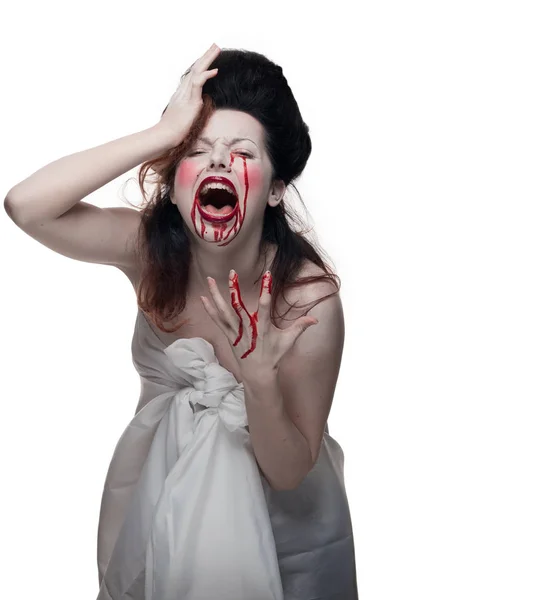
(212, 312)
(237, 303)
(206, 59)
(291, 334)
(235, 291)
(265, 301)
(225, 314)
(201, 62)
(201, 78)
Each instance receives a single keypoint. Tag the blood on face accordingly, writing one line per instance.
(222, 232)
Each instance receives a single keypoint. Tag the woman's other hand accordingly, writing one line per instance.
(257, 343)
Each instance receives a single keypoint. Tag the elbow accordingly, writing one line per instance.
(8, 207)
(296, 482)
(289, 482)
(281, 486)
(12, 208)
(287, 488)
(290, 485)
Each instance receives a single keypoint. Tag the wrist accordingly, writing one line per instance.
(260, 379)
(169, 139)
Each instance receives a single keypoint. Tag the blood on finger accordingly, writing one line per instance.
(238, 306)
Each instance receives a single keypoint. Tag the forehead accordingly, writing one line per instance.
(225, 124)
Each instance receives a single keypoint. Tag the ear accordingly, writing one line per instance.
(276, 193)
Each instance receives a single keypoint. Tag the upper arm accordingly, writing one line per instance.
(308, 372)
(89, 233)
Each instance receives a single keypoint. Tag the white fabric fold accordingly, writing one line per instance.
(197, 525)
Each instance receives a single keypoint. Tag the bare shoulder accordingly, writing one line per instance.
(314, 290)
(306, 298)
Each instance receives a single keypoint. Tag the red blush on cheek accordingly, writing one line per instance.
(187, 173)
(255, 177)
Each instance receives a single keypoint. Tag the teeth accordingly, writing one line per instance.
(216, 186)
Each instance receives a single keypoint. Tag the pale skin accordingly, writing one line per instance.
(289, 372)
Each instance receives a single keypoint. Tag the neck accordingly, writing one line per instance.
(217, 261)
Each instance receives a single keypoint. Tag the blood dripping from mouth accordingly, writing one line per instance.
(220, 228)
(238, 306)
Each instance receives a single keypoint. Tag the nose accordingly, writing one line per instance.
(219, 158)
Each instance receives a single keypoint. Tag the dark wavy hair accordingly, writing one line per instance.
(248, 82)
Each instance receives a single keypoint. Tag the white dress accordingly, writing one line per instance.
(186, 513)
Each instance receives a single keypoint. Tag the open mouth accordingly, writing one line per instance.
(216, 204)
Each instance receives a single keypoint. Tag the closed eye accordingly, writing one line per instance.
(247, 154)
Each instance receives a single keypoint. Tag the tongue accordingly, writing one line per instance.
(225, 210)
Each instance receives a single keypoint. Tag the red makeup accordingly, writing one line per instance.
(220, 223)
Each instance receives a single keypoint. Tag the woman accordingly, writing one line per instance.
(226, 483)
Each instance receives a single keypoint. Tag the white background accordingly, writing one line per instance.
(420, 189)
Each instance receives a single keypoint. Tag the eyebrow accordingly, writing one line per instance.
(238, 139)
